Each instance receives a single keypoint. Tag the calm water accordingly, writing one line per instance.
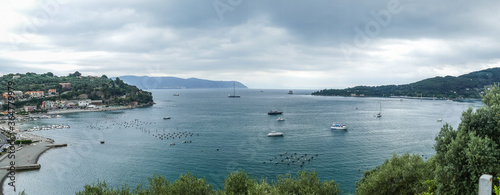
(238, 128)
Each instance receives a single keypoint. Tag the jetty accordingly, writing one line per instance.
(23, 167)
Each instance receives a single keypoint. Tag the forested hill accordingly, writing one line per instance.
(145, 82)
(465, 86)
(74, 86)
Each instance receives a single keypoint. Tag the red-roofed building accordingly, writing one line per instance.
(65, 85)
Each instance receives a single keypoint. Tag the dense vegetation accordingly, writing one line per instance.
(112, 92)
(466, 86)
(238, 182)
(462, 156)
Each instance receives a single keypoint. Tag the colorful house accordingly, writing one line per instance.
(52, 91)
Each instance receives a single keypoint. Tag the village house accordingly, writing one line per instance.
(84, 103)
(65, 85)
(52, 91)
(35, 93)
(29, 108)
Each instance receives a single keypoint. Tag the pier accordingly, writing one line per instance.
(23, 167)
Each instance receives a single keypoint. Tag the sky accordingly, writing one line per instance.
(278, 44)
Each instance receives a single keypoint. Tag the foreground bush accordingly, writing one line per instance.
(406, 174)
(238, 182)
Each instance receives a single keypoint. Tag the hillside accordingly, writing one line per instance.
(465, 86)
(145, 82)
(33, 89)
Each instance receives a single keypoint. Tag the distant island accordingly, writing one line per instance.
(146, 82)
(47, 92)
(467, 86)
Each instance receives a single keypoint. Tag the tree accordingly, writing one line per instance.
(305, 183)
(405, 174)
(463, 155)
(238, 182)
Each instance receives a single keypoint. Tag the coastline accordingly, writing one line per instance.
(29, 154)
(111, 108)
(24, 156)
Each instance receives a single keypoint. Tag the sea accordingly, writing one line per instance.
(215, 135)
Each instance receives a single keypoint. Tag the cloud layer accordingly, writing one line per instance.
(263, 44)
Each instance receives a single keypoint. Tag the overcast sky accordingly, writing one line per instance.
(287, 44)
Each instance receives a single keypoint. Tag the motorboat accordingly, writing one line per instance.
(274, 112)
(167, 117)
(338, 127)
(275, 134)
(176, 94)
(280, 119)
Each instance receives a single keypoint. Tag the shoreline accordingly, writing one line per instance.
(24, 156)
(30, 154)
(111, 108)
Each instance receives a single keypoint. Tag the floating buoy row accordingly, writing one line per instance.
(173, 135)
(292, 159)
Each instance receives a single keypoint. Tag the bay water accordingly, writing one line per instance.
(222, 134)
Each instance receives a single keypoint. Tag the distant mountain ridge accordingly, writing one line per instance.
(465, 86)
(146, 82)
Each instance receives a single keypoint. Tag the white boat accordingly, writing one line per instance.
(439, 120)
(338, 126)
(280, 119)
(275, 134)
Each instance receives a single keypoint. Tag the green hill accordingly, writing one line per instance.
(111, 92)
(465, 86)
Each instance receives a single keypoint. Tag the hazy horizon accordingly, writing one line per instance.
(262, 44)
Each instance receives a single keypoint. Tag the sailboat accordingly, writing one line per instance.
(234, 92)
(379, 114)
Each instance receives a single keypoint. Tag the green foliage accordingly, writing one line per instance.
(238, 182)
(96, 88)
(404, 174)
(463, 155)
(496, 190)
(305, 183)
(465, 86)
(492, 98)
(188, 184)
(23, 142)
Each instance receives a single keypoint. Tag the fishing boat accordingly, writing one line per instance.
(338, 126)
(234, 92)
(275, 134)
(274, 112)
(290, 92)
